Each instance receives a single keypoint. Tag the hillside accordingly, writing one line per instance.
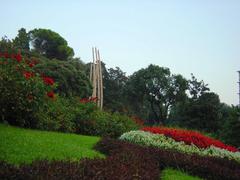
(19, 145)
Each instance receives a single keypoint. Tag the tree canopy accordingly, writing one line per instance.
(22, 40)
(50, 44)
(156, 88)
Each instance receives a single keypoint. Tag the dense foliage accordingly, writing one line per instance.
(69, 75)
(230, 131)
(157, 89)
(78, 116)
(50, 44)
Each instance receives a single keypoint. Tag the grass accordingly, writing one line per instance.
(19, 145)
(171, 174)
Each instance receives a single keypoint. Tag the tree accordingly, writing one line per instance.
(196, 88)
(231, 124)
(22, 40)
(50, 44)
(5, 44)
(155, 88)
(114, 82)
(69, 75)
(202, 114)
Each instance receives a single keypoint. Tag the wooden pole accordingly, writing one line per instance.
(98, 78)
(90, 76)
(101, 82)
(94, 75)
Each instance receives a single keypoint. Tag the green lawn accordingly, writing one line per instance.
(19, 145)
(171, 174)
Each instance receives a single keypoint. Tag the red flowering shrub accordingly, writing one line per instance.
(88, 100)
(189, 137)
(22, 90)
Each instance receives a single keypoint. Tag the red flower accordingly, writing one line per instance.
(30, 98)
(48, 81)
(28, 75)
(87, 100)
(32, 63)
(84, 100)
(18, 57)
(51, 94)
(6, 55)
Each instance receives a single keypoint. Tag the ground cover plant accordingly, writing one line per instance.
(19, 146)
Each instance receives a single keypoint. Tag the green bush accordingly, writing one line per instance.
(56, 115)
(83, 122)
(69, 115)
(92, 121)
(112, 125)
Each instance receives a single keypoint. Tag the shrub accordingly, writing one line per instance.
(92, 121)
(22, 90)
(70, 115)
(84, 123)
(126, 165)
(57, 115)
(164, 142)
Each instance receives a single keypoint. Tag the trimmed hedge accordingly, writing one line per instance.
(126, 165)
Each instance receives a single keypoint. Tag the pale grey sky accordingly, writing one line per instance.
(188, 36)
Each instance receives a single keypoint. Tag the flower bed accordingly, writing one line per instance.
(164, 142)
(202, 166)
(190, 137)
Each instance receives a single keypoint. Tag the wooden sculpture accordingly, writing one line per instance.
(96, 77)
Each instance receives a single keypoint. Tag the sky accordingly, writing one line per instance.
(187, 36)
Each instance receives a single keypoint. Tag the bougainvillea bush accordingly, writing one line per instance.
(189, 137)
(22, 90)
(164, 142)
